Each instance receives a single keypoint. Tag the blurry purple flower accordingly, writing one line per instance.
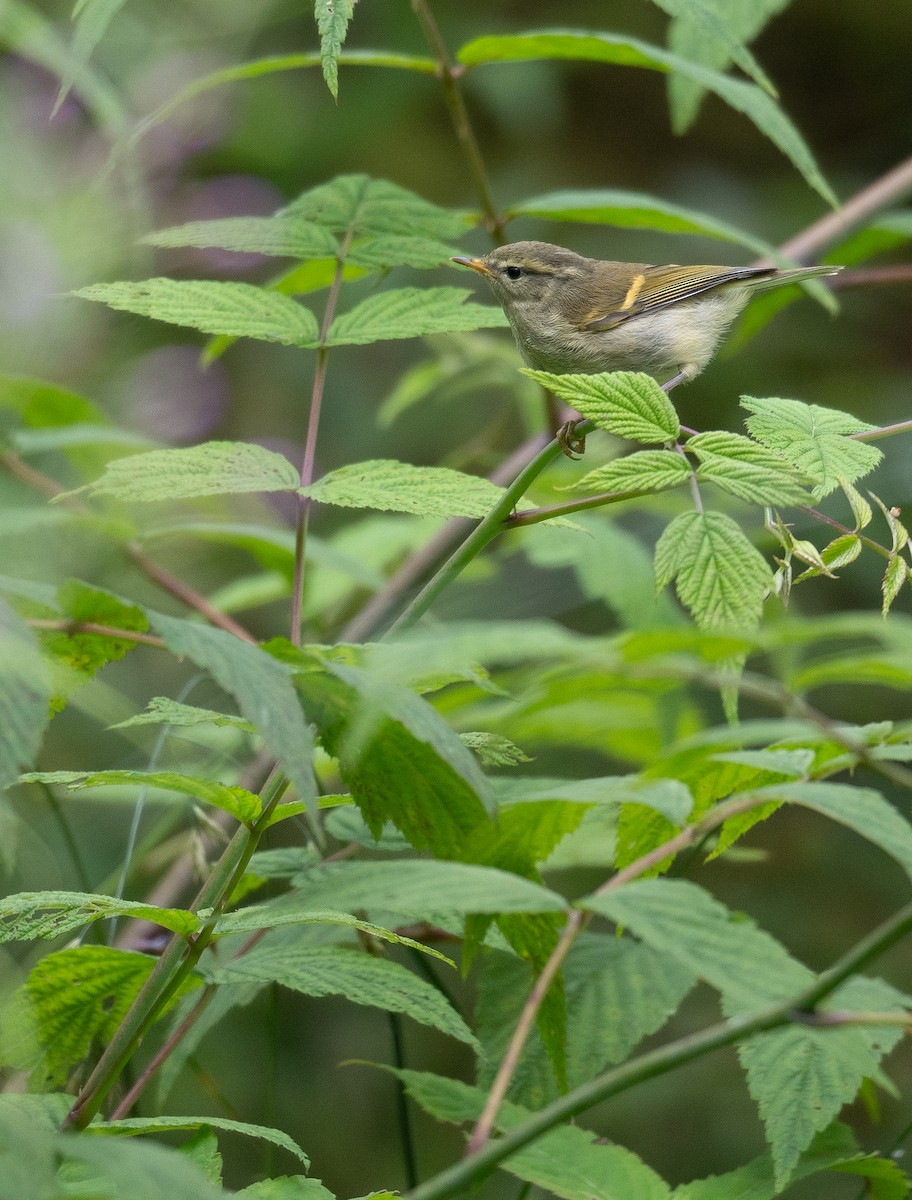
(171, 397)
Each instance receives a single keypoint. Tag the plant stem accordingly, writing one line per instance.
(70, 627)
(449, 76)
(459, 1178)
(176, 962)
(310, 444)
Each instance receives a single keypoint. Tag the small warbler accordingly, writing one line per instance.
(570, 313)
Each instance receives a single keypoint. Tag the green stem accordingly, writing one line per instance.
(493, 524)
(175, 963)
(463, 1175)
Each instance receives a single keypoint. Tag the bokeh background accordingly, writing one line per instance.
(70, 217)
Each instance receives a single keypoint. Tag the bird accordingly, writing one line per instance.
(571, 314)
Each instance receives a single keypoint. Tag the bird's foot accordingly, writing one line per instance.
(572, 444)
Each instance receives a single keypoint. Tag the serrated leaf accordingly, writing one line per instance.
(412, 312)
(332, 18)
(720, 577)
(237, 801)
(680, 919)
(841, 551)
(400, 487)
(861, 510)
(361, 978)
(568, 1161)
(632, 52)
(260, 685)
(782, 762)
(132, 1126)
(714, 26)
(634, 210)
(25, 695)
(494, 750)
(232, 309)
(163, 711)
(282, 236)
(293, 1187)
(30, 915)
(419, 887)
(815, 440)
(801, 1077)
(362, 206)
(390, 250)
(211, 469)
(71, 999)
(627, 403)
(745, 469)
(899, 535)
(644, 470)
(895, 576)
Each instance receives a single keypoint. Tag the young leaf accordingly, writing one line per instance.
(131, 1126)
(680, 919)
(861, 510)
(745, 469)
(211, 469)
(243, 805)
(643, 471)
(281, 236)
(419, 887)
(29, 915)
(841, 551)
(233, 309)
(412, 312)
(895, 576)
(163, 711)
(627, 403)
(260, 685)
(25, 695)
(332, 17)
(720, 577)
(813, 439)
(634, 210)
(399, 487)
(361, 978)
(632, 52)
(494, 750)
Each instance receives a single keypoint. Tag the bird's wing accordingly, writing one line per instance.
(654, 288)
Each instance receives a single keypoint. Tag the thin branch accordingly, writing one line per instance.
(871, 277)
(71, 627)
(882, 431)
(576, 922)
(310, 444)
(458, 1179)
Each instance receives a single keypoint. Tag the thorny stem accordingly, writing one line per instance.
(310, 444)
(449, 76)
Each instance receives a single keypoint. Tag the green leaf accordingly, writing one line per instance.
(82, 653)
(746, 470)
(91, 18)
(720, 577)
(714, 27)
(391, 250)
(260, 685)
(412, 312)
(861, 809)
(361, 978)
(634, 210)
(67, 437)
(141, 1170)
(362, 206)
(645, 470)
(72, 999)
(288, 1187)
(397, 755)
(332, 18)
(400, 487)
(418, 887)
(568, 1161)
(163, 711)
(25, 695)
(687, 37)
(895, 576)
(815, 440)
(235, 800)
(233, 309)
(632, 52)
(211, 469)
(494, 750)
(281, 235)
(680, 919)
(627, 403)
(841, 551)
(29, 915)
(801, 1077)
(131, 1126)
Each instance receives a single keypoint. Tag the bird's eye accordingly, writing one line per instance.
(514, 272)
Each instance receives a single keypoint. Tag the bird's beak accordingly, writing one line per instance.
(477, 264)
